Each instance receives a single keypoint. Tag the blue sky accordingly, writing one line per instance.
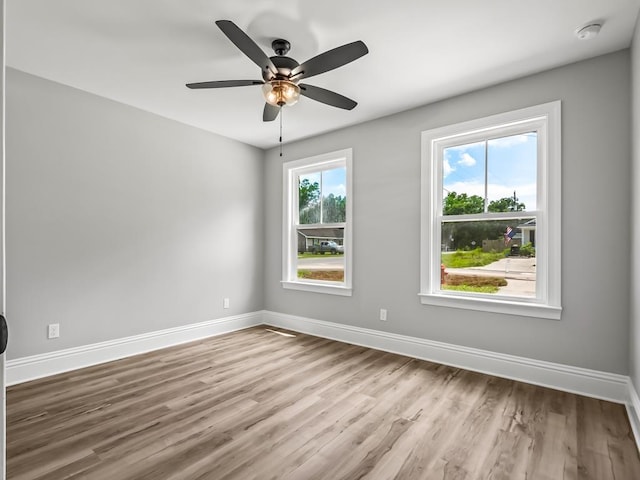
(511, 167)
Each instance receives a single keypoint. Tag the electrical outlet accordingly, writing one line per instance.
(53, 330)
(225, 303)
(383, 314)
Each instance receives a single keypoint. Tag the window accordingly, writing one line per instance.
(491, 214)
(317, 224)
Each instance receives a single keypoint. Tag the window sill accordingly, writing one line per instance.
(318, 288)
(492, 305)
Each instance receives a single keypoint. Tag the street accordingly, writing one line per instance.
(326, 262)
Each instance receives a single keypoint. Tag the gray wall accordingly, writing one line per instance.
(596, 191)
(635, 219)
(120, 222)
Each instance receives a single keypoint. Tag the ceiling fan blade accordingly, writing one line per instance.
(270, 112)
(224, 83)
(327, 96)
(329, 60)
(246, 45)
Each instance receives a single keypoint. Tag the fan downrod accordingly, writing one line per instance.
(280, 46)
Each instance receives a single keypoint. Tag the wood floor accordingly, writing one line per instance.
(258, 405)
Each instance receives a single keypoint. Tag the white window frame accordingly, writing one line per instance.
(545, 120)
(290, 171)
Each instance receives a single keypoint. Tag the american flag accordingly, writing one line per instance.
(508, 235)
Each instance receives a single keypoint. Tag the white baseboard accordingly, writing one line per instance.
(633, 412)
(592, 383)
(38, 366)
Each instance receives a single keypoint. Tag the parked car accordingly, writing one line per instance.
(330, 246)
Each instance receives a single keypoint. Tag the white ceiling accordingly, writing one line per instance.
(142, 52)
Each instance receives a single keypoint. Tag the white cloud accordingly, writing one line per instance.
(456, 149)
(447, 168)
(470, 188)
(466, 160)
(506, 142)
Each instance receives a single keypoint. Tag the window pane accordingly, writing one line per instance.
(309, 198)
(511, 166)
(463, 179)
(334, 200)
(321, 254)
(490, 256)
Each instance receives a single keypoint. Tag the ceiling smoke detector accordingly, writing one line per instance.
(588, 31)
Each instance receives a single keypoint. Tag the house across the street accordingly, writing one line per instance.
(313, 236)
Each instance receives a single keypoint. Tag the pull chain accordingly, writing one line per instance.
(281, 130)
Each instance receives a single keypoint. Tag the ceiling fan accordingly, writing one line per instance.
(281, 74)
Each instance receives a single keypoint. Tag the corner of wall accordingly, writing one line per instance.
(633, 412)
(634, 283)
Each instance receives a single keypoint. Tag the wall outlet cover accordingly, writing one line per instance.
(53, 330)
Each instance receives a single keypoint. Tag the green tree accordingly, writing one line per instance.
(462, 204)
(308, 193)
(334, 209)
(308, 201)
(469, 235)
(507, 204)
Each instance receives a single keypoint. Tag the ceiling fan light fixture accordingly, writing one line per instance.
(281, 92)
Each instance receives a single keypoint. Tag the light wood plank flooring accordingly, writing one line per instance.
(258, 405)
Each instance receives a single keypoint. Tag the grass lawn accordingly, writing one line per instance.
(473, 283)
(470, 288)
(316, 255)
(327, 275)
(471, 258)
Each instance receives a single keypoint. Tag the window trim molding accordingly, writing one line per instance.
(547, 303)
(290, 170)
